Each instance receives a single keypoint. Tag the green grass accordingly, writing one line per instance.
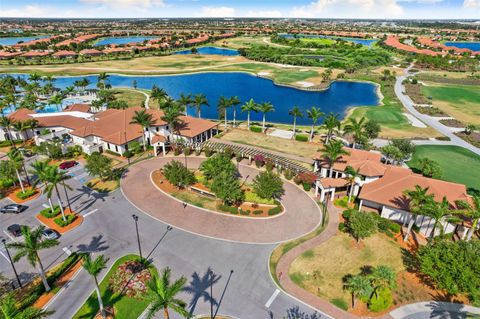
(293, 76)
(459, 94)
(323, 41)
(458, 164)
(125, 307)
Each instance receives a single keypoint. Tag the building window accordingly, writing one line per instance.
(116, 148)
(108, 145)
(158, 129)
(166, 127)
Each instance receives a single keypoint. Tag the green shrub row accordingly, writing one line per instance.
(6, 183)
(26, 194)
(9, 143)
(47, 212)
(275, 210)
(68, 220)
(256, 129)
(112, 153)
(228, 209)
(301, 138)
(257, 212)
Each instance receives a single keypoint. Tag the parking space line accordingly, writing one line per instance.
(9, 236)
(272, 298)
(91, 212)
(45, 206)
(5, 256)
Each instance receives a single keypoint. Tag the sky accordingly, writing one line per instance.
(365, 9)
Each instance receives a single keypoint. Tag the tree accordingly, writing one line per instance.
(177, 174)
(30, 247)
(332, 125)
(145, 120)
(7, 124)
(382, 277)
(171, 115)
(438, 211)
(268, 185)
(158, 95)
(222, 106)
(357, 129)
(314, 114)
(249, 107)
(10, 310)
(332, 152)
(94, 267)
(102, 79)
(430, 168)
(57, 100)
(217, 164)
(404, 145)
(358, 286)
(417, 198)
(184, 101)
(372, 129)
(265, 108)
(352, 175)
(361, 225)
(234, 101)
(198, 101)
(327, 75)
(392, 153)
(162, 295)
(52, 177)
(472, 211)
(99, 165)
(16, 158)
(295, 112)
(227, 187)
(469, 129)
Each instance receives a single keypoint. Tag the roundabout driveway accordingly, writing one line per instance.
(302, 214)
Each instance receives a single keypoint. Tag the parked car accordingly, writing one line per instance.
(15, 230)
(68, 164)
(25, 152)
(50, 234)
(13, 208)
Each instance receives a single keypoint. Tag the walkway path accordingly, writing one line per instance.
(409, 105)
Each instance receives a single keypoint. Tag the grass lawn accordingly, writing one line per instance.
(320, 270)
(125, 307)
(324, 41)
(458, 164)
(132, 97)
(459, 101)
(103, 186)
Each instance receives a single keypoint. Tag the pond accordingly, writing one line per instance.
(122, 40)
(15, 40)
(337, 98)
(474, 46)
(211, 50)
(365, 42)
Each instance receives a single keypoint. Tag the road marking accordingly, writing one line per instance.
(9, 236)
(93, 211)
(272, 298)
(45, 206)
(1, 253)
(67, 251)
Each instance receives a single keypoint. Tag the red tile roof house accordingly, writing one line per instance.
(381, 188)
(91, 52)
(65, 54)
(35, 54)
(8, 55)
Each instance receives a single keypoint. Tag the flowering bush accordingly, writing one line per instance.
(305, 178)
(130, 279)
(259, 160)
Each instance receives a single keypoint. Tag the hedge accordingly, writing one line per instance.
(69, 219)
(257, 212)
(28, 193)
(301, 138)
(275, 210)
(9, 143)
(47, 212)
(256, 129)
(112, 153)
(6, 183)
(228, 209)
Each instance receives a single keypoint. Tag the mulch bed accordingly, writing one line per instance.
(13, 195)
(473, 138)
(452, 123)
(51, 224)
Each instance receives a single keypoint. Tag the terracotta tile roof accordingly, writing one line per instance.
(116, 50)
(78, 107)
(32, 54)
(5, 54)
(91, 52)
(394, 42)
(388, 190)
(158, 138)
(64, 53)
(66, 121)
(328, 182)
(21, 115)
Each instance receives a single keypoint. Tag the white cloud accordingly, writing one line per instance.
(350, 9)
(127, 3)
(31, 10)
(475, 4)
(264, 14)
(221, 12)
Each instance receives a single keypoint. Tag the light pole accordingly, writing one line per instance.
(4, 241)
(211, 294)
(135, 218)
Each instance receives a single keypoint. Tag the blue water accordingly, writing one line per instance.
(48, 108)
(122, 40)
(15, 40)
(211, 50)
(338, 98)
(365, 42)
(474, 46)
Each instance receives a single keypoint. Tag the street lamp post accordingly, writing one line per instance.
(4, 241)
(211, 294)
(135, 218)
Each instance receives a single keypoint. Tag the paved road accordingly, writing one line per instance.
(409, 105)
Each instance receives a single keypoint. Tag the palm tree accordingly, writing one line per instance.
(439, 211)
(265, 108)
(21, 127)
(10, 310)
(54, 177)
(417, 198)
(332, 125)
(17, 160)
(102, 79)
(357, 128)
(382, 277)
(7, 124)
(358, 286)
(248, 107)
(352, 174)
(295, 112)
(30, 247)
(234, 101)
(56, 100)
(94, 267)
(35, 77)
(472, 211)
(172, 116)
(222, 106)
(314, 114)
(332, 152)
(158, 95)
(198, 101)
(162, 295)
(68, 90)
(184, 101)
(145, 120)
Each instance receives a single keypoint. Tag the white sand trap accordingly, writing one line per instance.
(282, 134)
(414, 121)
(263, 73)
(305, 84)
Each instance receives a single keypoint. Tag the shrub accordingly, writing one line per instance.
(130, 279)
(268, 185)
(47, 212)
(217, 164)
(177, 174)
(208, 151)
(307, 187)
(26, 194)
(275, 210)
(68, 220)
(253, 197)
(177, 151)
(301, 138)
(244, 212)
(259, 160)
(112, 153)
(238, 157)
(305, 178)
(342, 227)
(442, 138)
(382, 301)
(9, 143)
(269, 164)
(341, 202)
(257, 212)
(228, 151)
(228, 209)
(289, 174)
(187, 151)
(198, 152)
(346, 214)
(6, 183)
(128, 154)
(340, 303)
(256, 129)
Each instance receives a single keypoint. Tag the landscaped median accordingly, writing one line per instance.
(18, 196)
(62, 223)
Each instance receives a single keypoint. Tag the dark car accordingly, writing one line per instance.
(15, 230)
(13, 208)
(68, 164)
(50, 234)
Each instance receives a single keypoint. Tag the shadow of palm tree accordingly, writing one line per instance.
(295, 313)
(109, 298)
(198, 288)
(96, 244)
(443, 310)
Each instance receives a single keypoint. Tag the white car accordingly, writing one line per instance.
(50, 234)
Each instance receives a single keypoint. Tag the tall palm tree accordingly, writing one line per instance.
(16, 159)
(172, 115)
(50, 177)
(222, 106)
(34, 77)
(198, 101)
(332, 152)
(418, 198)
(352, 174)
(332, 125)
(7, 124)
(248, 107)
(234, 101)
(295, 112)
(102, 79)
(162, 295)
(314, 114)
(358, 286)
(158, 94)
(30, 246)
(265, 108)
(184, 101)
(68, 90)
(94, 267)
(54, 177)
(472, 211)
(10, 310)
(145, 120)
(439, 211)
(357, 128)
(57, 100)
(21, 127)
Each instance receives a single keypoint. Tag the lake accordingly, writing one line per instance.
(15, 40)
(365, 42)
(474, 46)
(211, 50)
(122, 40)
(337, 99)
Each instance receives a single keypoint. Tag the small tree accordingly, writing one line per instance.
(227, 188)
(430, 168)
(358, 286)
(382, 277)
(177, 174)
(217, 164)
(99, 165)
(372, 129)
(268, 185)
(361, 225)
